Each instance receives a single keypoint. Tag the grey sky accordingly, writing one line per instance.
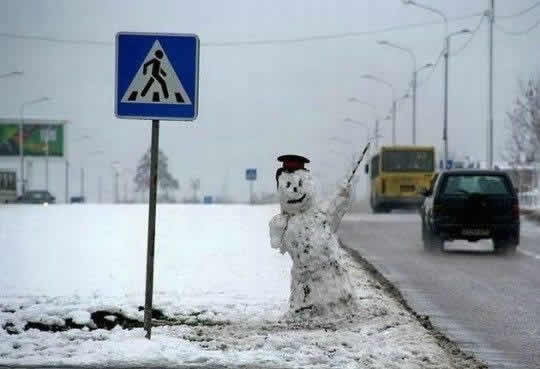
(258, 101)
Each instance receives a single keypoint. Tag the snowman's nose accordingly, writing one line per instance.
(295, 189)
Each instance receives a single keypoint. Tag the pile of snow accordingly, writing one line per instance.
(216, 276)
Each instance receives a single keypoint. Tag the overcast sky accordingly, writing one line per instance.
(259, 101)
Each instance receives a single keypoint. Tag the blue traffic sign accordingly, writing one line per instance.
(251, 174)
(157, 76)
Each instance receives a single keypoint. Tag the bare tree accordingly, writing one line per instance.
(166, 182)
(524, 124)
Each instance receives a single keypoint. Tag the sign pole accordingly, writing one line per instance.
(154, 152)
(148, 86)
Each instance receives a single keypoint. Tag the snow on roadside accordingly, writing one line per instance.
(214, 269)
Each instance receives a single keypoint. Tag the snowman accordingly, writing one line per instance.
(306, 230)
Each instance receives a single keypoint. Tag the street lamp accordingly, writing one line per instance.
(376, 115)
(115, 165)
(413, 57)
(426, 66)
(21, 136)
(446, 50)
(430, 9)
(10, 74)
(388, 84)
(359, 124)
(445, 121)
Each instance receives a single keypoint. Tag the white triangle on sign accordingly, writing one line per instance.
(156, 81)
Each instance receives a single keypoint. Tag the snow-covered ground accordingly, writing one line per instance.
(217, 280)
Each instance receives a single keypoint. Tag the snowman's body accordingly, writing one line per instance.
(306, 230)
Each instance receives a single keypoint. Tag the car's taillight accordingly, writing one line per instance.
(515, 209)
(383, 183)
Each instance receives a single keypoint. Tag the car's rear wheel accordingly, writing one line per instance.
(504, 246)
(431, 241)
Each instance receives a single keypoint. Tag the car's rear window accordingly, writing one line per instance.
(482, 184)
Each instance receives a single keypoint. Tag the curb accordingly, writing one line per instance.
(461, 358)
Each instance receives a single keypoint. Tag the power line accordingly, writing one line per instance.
(518, 14)
(251, 43)
(517, 33)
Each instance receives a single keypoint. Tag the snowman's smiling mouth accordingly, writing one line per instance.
(296, 201)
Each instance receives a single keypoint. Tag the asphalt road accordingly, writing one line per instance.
(489, 304)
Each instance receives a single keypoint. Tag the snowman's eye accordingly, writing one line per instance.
(288, 184)
(300, 183)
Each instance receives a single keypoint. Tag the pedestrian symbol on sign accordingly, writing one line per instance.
(156, 71)
(156, 67)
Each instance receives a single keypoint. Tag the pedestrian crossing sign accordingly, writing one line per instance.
(156, 76)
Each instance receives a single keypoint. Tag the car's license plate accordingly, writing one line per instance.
(475, 232)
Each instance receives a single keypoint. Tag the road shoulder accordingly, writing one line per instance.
(458, 357)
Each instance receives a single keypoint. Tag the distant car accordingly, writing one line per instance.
(471, 205)
(77, 199)
(36, 197)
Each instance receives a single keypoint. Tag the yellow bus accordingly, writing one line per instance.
(397, 174)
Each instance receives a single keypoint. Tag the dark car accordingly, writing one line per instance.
(77, 199)
(36, 197)
(471, 205)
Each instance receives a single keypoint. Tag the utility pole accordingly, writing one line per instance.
(445, 121)
(29, 175)
(47, 131)
(82, 182)
(100, 190)
(376, 134)
(116, 189)
(414, 105)
(394, 122)
(490, 104)
(67, 182)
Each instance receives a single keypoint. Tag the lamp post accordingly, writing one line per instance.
(376, 115)
(67, 164)
(359, 124)
(115, 165)
(21, 136)
(430, 9)
(445, 19)
(446, 65)
(388, 84)
(491, 14)
(413, 82)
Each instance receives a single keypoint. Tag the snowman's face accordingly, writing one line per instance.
(295, 191)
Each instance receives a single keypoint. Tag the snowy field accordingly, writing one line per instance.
(222, 290)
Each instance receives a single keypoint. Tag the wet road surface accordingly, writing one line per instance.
(489, 304)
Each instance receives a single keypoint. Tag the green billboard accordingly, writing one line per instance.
(38, 138)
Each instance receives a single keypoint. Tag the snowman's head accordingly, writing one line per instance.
(295, 190)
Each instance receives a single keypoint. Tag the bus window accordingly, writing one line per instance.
(408, 161)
